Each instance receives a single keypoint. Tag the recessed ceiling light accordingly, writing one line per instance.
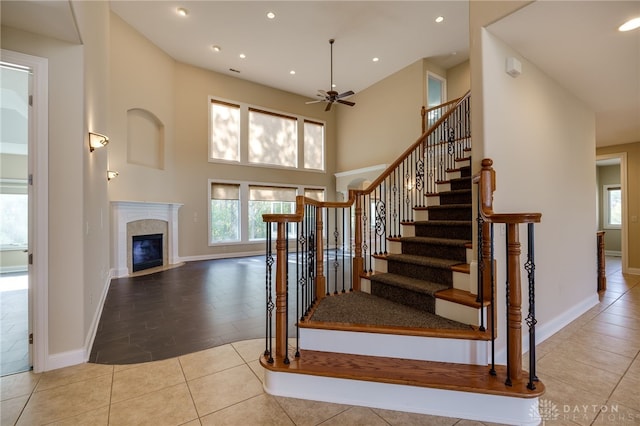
(439, 19)
(242, 56)
(271, 15)
(292, 72)
(631, 24)
(216, 48)
(182, 11)
(376, 59)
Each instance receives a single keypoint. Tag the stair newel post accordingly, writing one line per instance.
(281, 292)
(514, 307)
(320, 278)
(358, 265)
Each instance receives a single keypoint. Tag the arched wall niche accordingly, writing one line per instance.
(145, 139)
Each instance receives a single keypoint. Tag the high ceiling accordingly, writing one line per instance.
(574, 42)
(398, 33)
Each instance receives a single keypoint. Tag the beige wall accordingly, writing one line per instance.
(607, 175)
(633, 190)
(545, 168)
(66, 150)
(366, 136)
(93, 24)
(178, 95)
(458, 80)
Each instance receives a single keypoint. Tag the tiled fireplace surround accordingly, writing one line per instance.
(130, 218)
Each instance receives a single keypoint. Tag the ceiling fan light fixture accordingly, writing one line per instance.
(630, 25)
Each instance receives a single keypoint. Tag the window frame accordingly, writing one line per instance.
(245, 135)
(606, 206)
(243, 210)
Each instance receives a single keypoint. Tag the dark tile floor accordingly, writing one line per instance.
(182, 310)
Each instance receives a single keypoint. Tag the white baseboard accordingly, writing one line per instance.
(220, 256)
(551, 327)
(93, 329)
(633, 271)
(64, 359)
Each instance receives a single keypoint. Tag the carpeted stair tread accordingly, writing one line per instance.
(448, 206)
(408, 283)
(436, 241)
(363, 308)
(442, 222)
(413, 259)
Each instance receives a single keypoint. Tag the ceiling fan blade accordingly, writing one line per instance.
(345, 94)
(322, 93)
(328, 108)
(346, 102)
(314, 102)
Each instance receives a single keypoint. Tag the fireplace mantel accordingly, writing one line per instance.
(123, 212)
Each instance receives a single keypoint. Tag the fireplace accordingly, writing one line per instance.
(146, 251)
(135, 218)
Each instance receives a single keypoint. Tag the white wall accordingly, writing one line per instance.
(542, 141)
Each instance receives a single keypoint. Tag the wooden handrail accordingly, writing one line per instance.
(487, 181)
(424, 110)
(409, 150)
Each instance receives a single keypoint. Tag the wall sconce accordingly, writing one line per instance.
(96, 140)
(112, 174)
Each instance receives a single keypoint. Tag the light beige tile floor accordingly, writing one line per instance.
(591, 370)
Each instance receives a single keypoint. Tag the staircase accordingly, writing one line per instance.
(423, 270)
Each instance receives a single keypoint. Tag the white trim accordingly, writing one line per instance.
(460, 351)
(221, 256)
(615, 253)
(93, 328)
(65, 359)
(633, 271)
(13, 269)
(124, 212)
(625, 205)
(549, 328)
(413, 399)
(39, 167)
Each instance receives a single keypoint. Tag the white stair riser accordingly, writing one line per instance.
(457, 312)
(461, 281)
(413, 399)
(454, 175)
(459, 351)
(420, 215)
(380, 265)
(443, 187)
(408, 230)
(433, 200)
(394, 247)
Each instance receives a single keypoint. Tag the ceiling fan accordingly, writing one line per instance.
(331, 96)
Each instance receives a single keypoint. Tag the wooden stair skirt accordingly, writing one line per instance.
(425, 387)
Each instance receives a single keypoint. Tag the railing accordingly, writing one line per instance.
(431, 115)
(332, 259)
(486, 275)
(391, 199)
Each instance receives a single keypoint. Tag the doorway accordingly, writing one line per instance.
(436, 95)
(612, 205)
(12, 155)
(15, 84)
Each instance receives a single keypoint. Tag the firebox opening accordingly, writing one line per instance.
(146, 251)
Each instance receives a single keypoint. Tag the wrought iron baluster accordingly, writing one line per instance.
(336, 264)
(508, 304)
(530, 267)
(268, 351)
(493, 301)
